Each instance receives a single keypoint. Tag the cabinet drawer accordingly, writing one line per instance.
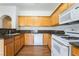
(17, 45)
(6, 41)
(17, 37)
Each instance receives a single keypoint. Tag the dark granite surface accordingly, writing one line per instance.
(75, 44)
(8, 36)
(4, 32)
(43, 31)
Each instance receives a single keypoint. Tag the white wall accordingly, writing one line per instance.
(34, 13)
(1, 47)
(10, 11)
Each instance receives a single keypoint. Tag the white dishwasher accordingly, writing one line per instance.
(38, 39)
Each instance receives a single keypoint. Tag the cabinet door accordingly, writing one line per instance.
(46, 38)
(21, 21)
(63, 7)
(49, 42)
(9, 49)
(29, 39)
(38, 39)
(75, 51)
(55, 15)
(22, 40)
(17, 45)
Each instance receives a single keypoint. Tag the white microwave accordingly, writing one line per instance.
(70, 15)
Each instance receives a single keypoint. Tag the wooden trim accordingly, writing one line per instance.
(56, 8)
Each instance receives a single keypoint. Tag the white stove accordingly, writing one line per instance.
(61, 44)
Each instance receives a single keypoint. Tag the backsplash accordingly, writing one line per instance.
(7, 31)
(72, 27)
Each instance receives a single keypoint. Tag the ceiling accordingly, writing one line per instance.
(33, 9)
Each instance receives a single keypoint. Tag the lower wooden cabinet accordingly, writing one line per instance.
(22, 40)
(9, 47)
(29, 39)
(13, 45)
(49, 42)
(46, 38)
(17, 44)
(75, 51)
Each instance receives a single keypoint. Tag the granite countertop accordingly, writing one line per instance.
(43, 31)
(75, 44)
(8, 36)
(30, 31)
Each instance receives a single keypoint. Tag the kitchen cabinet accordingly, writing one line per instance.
(55, 16)
(55, 19)
(9, 47)
(29, 39)
(75, 51)
(38, 39)
(49, 42)
(70, 4)
(63, 7)
(22, 37)
(17, 44)
(21, 21)
(24, 21)
(46, 38)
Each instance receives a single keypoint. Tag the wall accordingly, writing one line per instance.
(10, 11)
(1, 47)
(34, 13)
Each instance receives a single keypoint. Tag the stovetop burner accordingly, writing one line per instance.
(71, 38)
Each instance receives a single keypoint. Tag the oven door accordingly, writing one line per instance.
(59, 49)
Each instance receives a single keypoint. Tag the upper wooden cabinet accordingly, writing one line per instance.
(63, 7)
(44, 20)
(55, 16)
(21, 21)
(33, 21)
(55, 19)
